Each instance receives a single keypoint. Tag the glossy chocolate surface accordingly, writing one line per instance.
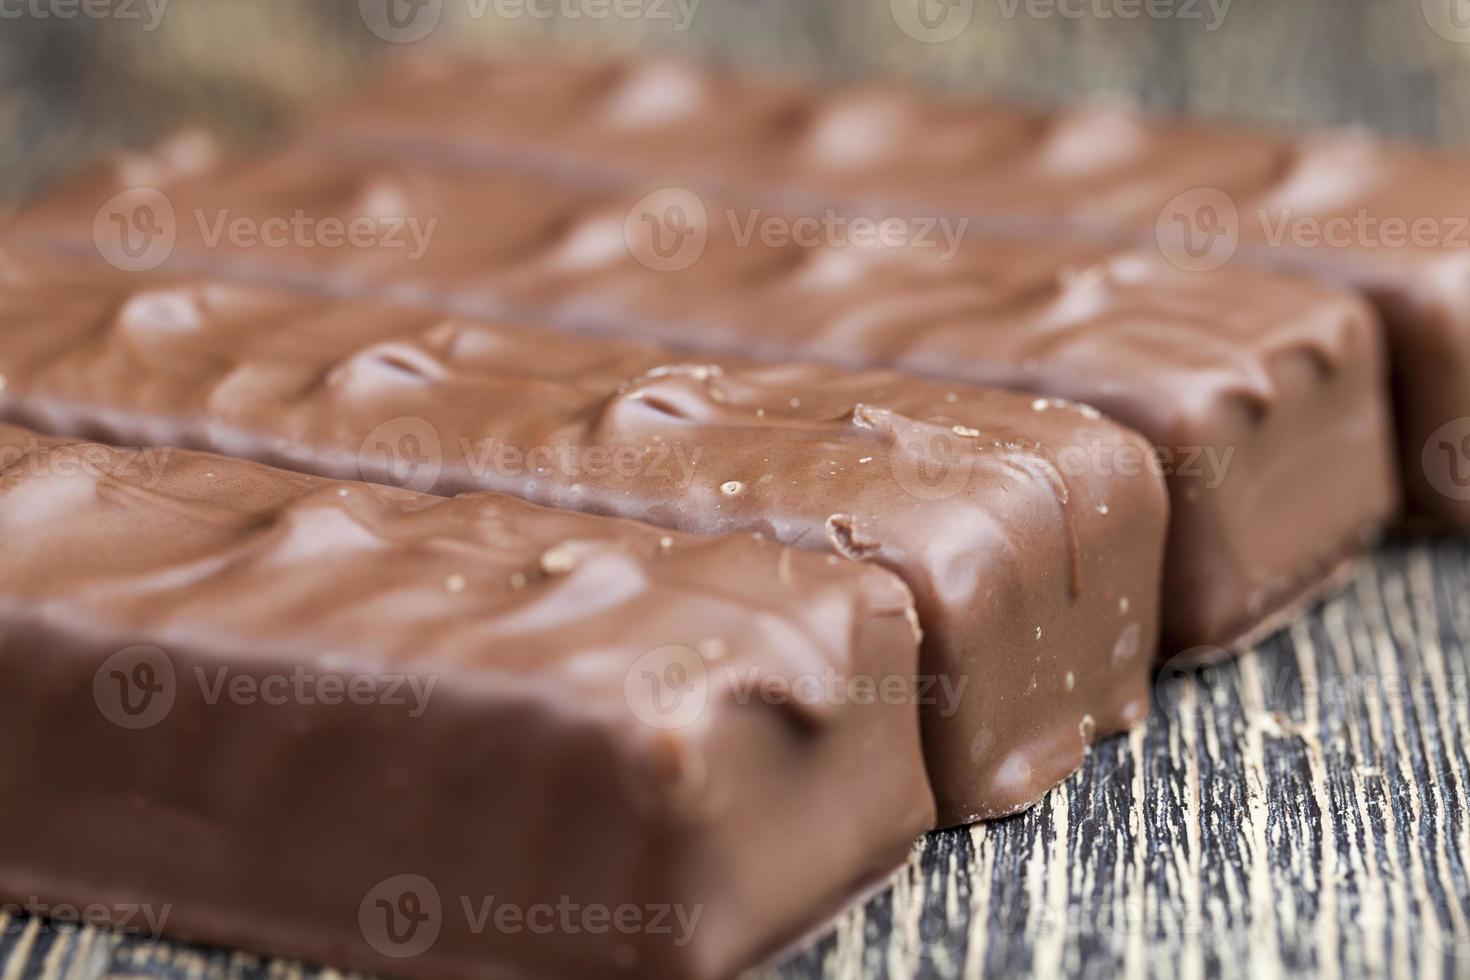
(1257, 389)
(1394, 222)
(287, 709)
(1387, 219)
(1036, 570)
(879, 145)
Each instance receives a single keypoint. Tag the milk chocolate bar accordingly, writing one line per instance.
(357, 724)
(877, 144)
(1383, 218)
(1035, 569)
(1256, 389)
(1393, 222)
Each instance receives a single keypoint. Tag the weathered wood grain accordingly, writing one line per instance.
(1300, 812)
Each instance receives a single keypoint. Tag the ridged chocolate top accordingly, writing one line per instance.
(879, 144)
(1032, 555)
(732, 445)
(1153, 345)
(478, 584)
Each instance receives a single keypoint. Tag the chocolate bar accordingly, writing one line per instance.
(1350, 208)
(879, 144)
(1254, 388)
(436, 737)
(1392, 222)
(1035, 569)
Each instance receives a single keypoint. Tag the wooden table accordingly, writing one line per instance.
(1298, 812)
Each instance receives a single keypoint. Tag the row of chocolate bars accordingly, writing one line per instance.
(717, 307)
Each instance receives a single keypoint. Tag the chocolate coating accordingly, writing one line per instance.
(882, 145)
(497, 746)
(1085, 173)
(1257, 389)
(1393, 222)
(1036, 574)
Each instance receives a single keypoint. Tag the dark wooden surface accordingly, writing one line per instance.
(1300, 812)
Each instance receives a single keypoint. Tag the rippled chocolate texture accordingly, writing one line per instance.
(333, 720)
(1394, 222)
(1260, 390)
(1036, 572)
(1344, 207)
(880, 144)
